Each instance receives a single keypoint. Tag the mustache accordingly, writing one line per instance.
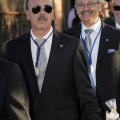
(86, 11)
(42, 18)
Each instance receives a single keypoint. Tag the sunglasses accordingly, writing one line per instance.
(116, 8)
(46, 8)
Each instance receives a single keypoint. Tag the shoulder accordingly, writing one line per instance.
(67, 36)
(73, 29)
(6, 65)
(19, 39)
(111, 32)
(69, 42)
(111, 28)
(68, 39)
(8, 68)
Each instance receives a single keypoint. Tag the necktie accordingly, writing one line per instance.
(88, 39)
(88, 46)
(42, 64)
(41, 60)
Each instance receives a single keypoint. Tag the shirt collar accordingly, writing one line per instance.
(45, 37)
(96, 27)
(117, 25)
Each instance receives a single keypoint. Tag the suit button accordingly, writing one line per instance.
(97, 66)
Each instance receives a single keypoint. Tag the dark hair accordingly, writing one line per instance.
(28, 0)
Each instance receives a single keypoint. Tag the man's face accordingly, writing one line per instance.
(117, 12)
(38, 14)
(88, 11)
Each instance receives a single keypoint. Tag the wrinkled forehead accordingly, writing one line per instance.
(77, 1)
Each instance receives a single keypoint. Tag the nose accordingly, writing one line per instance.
(42, 10)
(85, 6)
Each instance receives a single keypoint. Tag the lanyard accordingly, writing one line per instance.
(90, 52)
(39, 47)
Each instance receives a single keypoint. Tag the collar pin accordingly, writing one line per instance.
(61, 45)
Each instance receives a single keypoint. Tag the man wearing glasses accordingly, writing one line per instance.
(101, 44)
(116, 11)
(54, 70)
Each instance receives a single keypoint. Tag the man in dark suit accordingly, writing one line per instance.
(66, 80)
(14, 102)
(104, 54)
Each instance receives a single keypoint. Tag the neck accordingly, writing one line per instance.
(40, 33)
(88, 24)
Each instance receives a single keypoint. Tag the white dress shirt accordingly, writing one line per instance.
(96, 27)
(47, 45)
(117, 25)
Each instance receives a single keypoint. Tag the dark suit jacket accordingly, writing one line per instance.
(65, 80)
(14, 102)
(108, 64)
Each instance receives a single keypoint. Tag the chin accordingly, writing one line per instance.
(42, 27)
(87, 20)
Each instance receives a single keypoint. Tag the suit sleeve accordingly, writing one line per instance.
(17, 103)
(86, 95)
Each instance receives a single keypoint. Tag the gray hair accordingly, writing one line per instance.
(77, 1)
(53, 4)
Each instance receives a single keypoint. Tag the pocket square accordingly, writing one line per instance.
(111, 50)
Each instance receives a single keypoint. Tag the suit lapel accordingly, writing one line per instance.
(28, 62)
(104, 42)
(52, 58)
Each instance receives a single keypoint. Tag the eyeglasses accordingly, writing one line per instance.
(90, 5)
(46, 8)
(116, 8)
